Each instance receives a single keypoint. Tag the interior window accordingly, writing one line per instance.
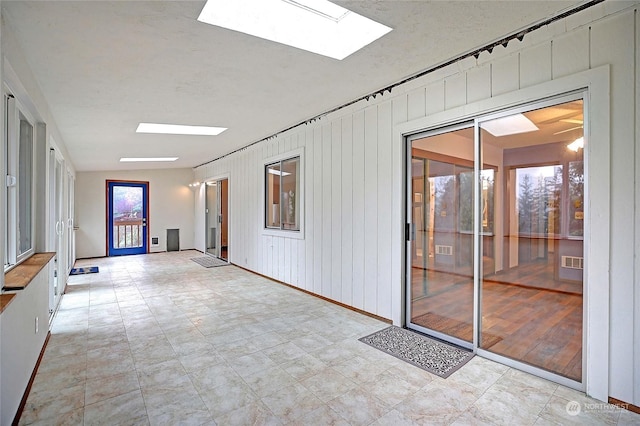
(282, 207)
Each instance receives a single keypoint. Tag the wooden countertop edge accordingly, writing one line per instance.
(5, 300)
(21, 276)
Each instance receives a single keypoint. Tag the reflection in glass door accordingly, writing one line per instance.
(441, 272)
(531, 284)
(495, 250)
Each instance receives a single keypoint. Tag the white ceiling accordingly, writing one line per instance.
(106, 66)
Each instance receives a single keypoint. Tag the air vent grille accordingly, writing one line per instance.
(444, 250)
(572, 262)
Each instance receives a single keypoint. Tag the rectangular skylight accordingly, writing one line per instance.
(146, 159)
(317, 26)
(179, 129)
(278, 172)
(510, 125)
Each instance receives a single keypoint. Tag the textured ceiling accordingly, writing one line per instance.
(103, 67)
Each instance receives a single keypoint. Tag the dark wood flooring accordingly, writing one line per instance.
(534, 319)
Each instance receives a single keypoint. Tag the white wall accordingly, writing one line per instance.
(21, 343)
(171, 206)
(352, 247)
(20, 346)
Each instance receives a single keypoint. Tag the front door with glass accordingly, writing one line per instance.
(127, 217)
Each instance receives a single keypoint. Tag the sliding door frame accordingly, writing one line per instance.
(594, 84)
(411, 230)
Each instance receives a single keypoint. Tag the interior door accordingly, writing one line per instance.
(57, 229)
(212, 228)
(70, 252)
(223, 218)
(127, 212)
(217, 222)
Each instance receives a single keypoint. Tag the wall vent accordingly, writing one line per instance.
(572, 262)
(444, 250)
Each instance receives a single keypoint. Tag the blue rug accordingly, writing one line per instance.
(85, 270)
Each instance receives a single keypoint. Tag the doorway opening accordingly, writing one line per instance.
(127, 213)
(217, 221)
(495, 258)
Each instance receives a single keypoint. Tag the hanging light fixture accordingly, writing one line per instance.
(577, 144)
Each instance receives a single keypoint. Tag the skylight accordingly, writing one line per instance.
(179, 129)
(317, 26)
(510, 125)
(146, 159)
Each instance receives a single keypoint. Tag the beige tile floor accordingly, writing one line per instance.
(158, 339)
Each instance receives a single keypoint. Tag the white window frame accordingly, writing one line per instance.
(289, 233)
(12, 185)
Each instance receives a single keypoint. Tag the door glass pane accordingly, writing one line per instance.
(25, 186)
(532, 254)
(442, 251)
(127, 217)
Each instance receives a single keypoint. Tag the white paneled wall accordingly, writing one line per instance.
(354, 211)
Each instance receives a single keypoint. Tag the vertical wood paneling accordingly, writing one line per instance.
(455, 91)
(435, 98)
(370, 209)
(385, 206)
(294, 259)
(570, 53)
(636, 379)
(268, 242)
(416, 103)
(281, 257)
(399, 115)
(287, 144)
(336, 210)
(479, 83)
(255, 214)
(326, 209)
(505, 75)
(299, 277)
(309, 223)
(347, 219)
(358, 209)
(318, 207)
(612, 42)
(266, 249)
(535, 65)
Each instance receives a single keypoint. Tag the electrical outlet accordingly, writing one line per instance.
(37, 325)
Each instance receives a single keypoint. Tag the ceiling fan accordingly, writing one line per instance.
(571, 121)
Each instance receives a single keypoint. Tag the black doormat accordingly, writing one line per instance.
(85, 270)
(209, 261)
(432, 355)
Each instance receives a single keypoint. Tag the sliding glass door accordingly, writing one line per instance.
(531, 285)
(495, 249)
(441, 197)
